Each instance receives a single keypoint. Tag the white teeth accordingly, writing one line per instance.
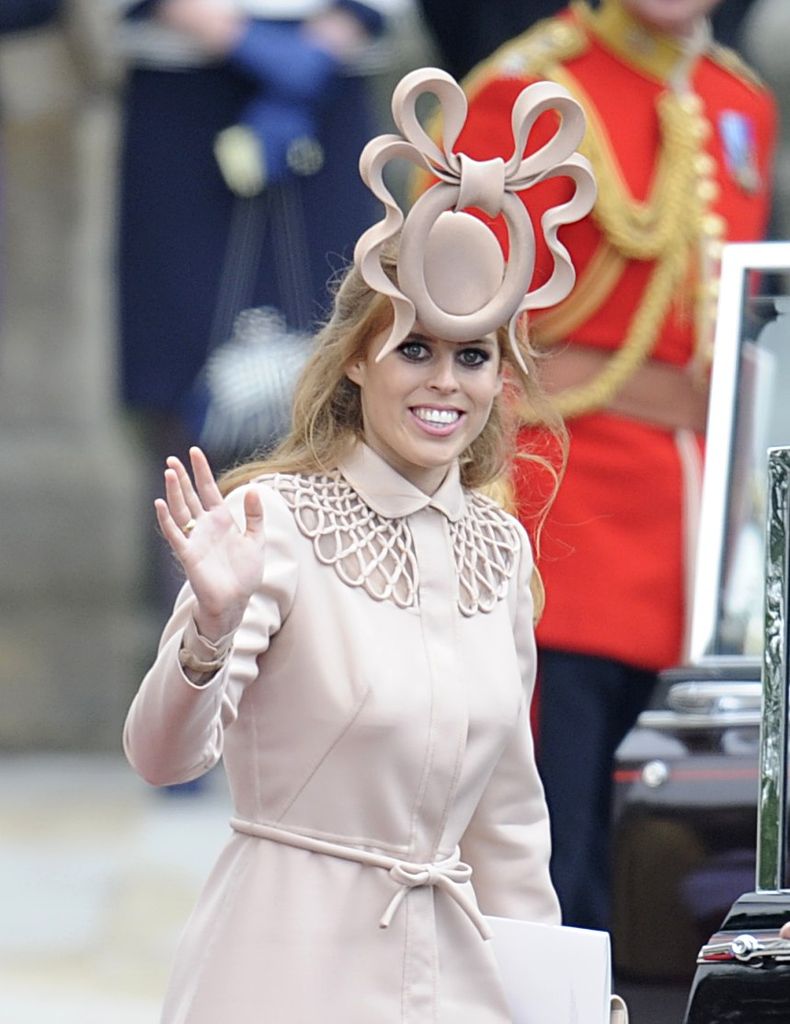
(438, 416)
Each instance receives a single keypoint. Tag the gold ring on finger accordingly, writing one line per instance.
(187, 528)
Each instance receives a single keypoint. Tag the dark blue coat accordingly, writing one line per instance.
(191, 254)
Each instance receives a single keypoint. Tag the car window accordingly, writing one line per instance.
(749, 413)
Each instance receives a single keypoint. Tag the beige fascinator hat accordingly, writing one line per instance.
(452, 275)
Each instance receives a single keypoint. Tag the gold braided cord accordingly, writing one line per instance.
(665, 230)
(637, 346)
(645, 230)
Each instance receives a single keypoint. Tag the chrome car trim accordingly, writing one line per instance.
(772, 803)
(676, 721)
(745, 948)
(716, 480)
(710, 696)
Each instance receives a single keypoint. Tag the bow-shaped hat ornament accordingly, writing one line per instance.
(451, 272)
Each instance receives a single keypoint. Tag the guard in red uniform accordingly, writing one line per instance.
(680, 135)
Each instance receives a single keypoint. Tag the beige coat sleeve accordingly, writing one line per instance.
(174, 730)
(507, 842)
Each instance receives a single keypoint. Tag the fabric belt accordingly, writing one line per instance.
(658, 393)
(448, 875)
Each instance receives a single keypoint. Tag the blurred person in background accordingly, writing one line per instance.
(242, 123)
(681, 135)
(466, 33)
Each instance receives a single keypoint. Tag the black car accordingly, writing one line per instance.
(686, 813)
(687, 778)
(743, 970)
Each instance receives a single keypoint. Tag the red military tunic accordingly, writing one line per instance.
(681, 142)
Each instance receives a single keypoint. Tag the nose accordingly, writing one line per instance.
(443, 376)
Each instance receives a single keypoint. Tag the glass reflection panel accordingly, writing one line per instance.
(749, 412)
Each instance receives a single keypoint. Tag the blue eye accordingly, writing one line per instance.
(473, 357)
(414, 350)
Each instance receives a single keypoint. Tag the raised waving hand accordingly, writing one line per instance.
(223, 563)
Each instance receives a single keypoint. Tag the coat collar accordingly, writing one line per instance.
(652, 52)
(384, 490)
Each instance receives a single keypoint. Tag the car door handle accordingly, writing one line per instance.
(746, 949)
(715, 697)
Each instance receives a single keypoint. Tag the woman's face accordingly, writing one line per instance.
(426, 401)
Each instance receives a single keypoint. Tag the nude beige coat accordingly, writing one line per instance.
(374, 708)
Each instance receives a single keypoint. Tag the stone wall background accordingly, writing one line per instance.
(72, 629)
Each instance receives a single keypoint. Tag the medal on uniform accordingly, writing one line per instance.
(737, 136)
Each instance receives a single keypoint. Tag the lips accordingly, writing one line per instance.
(437, 419)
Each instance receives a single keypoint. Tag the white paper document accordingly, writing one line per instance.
(553, 974)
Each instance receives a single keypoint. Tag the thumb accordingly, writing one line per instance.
(253, 514)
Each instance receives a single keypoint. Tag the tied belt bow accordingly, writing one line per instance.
(449, 874)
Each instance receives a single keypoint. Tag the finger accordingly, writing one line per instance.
(253, 514)
(179, 509)
(170, 529)
(191, 499)
(210, 494)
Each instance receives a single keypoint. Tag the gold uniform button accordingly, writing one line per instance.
(691, 103)
(704, 165)
(708, 190)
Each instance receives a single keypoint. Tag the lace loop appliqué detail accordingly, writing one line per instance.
(486, 547)
(371, 551)
(364, 548)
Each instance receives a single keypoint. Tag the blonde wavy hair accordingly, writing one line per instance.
(327, 409)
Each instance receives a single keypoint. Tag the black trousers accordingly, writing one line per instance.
(586, 705)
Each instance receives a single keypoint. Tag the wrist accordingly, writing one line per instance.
(208, 637)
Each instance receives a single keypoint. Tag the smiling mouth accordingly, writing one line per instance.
(437, 417)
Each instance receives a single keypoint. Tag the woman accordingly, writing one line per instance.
(355, 638)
